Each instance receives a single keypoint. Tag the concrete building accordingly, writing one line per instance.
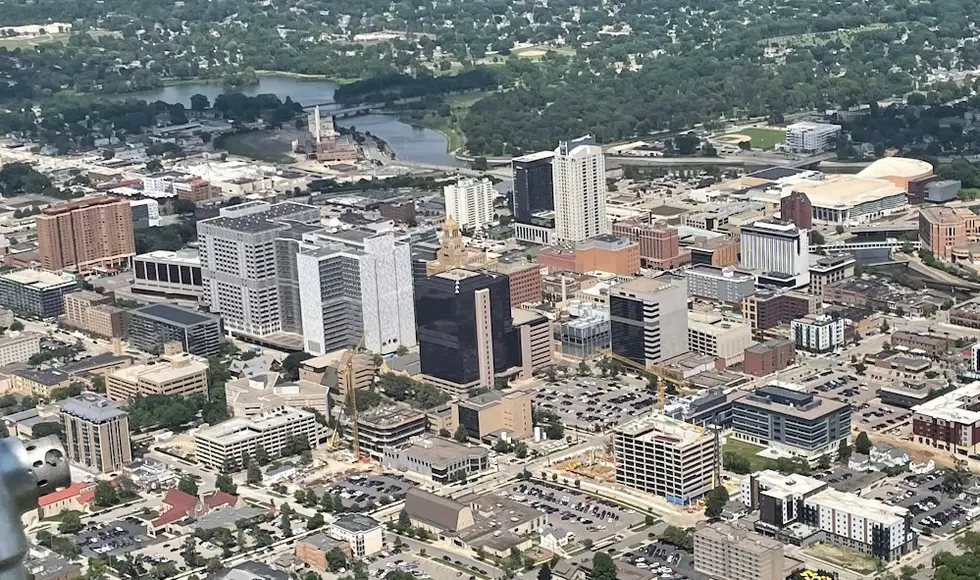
(779, 498)
(584, 331)
(711, 334)
(325, 370)
(810, 137)
(465, 330)
(579, 177)
(222, 446)
(238, 263)
(942, 190)
(722, 551)
(385, 427)
(721, 284)
(949, 422)
(666, 457)
(452, 253)
(96, 433)
(437, 514)
(150, 327)
(659, 245)
(867, 525)
(194, 189)
(93, 313)
(257, 394)
(313, 550)
(817, 333)
(796, 209)
(533, 184)
(825, 270)
(146, 213)
(791, 422)
(604, 253)
(18, 347)
(177, 373)
(168, 273)
(356, 283)
(38, 382)
(777, 251)
(769, 308)
(440, 460)
(469, 201)
(35, 292)
(82, 234)
(495, 412)
(648, 319)
(534, 334)
(943, 228)
(769, 357)
(363, 534)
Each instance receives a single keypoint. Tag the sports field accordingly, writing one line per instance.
(761, 138)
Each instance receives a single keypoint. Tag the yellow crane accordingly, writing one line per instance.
(654, 370)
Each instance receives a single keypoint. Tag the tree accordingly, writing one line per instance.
(736, 463)
(714, 502)
(480, 164)
(105, 495)
(187, 485)
(199, 102)
(284, 524)
(678, 537)
(224, 483)
(261, 456)
(71, 522)
(583, 369)
(955, 480)
(860, 368)
(17, 326)
(315, 522)
(253, 474)
(460, 434)
(404, 521)
(336, 559)
(843, 451)
(290, 365)
(603, 567)
(862, 444)
(544, 572)
(817, 238)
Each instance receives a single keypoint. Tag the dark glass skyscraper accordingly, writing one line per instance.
(465, 330)
(533, 185)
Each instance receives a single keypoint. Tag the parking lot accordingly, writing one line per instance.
(594, 403)
(848, 480)
(418, 566)
(933, 511)
(860, 392)
(663, 560)
(576, 512)
(113, 538)
(364, 489)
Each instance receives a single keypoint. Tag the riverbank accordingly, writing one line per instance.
(448, 126)
(309, 77)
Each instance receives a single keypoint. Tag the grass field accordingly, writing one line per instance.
(748, 451)
(820, 38)
(761, 138)
(537, 52)
(842, 557)
(459, 105)
(24, 42)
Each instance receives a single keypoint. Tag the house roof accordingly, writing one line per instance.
(75, 489)
(180, 504)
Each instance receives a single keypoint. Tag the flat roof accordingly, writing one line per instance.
(46, 377)
(92, 407)
(531, 157)
(356, 523)
(441, 451)
(713, 324)
(385, 417)
(780, 485)
(798, 404)
(241, 428)
(163, 371)
(747, 541)
(188, 256)
(957, 406)
(647, 285)
(658, 427)
(174, 314)
(39, 278)
(869, 509)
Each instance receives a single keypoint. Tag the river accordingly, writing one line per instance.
(411, 144)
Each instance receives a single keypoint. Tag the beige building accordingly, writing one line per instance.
(82, 234)
(250, 396)
(721, 551)
(177, 373)
(38, 382)
(19, 347)
(96, 433)
(93, 313)
(495, 412)
(536, 339)
(712, 335)
(943, 228)
(324, 370)
(223, 445)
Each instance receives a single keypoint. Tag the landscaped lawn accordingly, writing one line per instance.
(764, 138)
(748, 451)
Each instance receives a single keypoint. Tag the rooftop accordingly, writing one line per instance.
(256, 216)
(174, 314)
(92, 407)
(870, 509)
(442, 451)
(241, 428)
(787, 402)
(646, 285)
(46, 377)
(386, 417)
(40, 279)
(715, 271)
(747, 541)
(713, 324)
(657, 427)
(780, 485)
(170, 369)
(190, 257)
(531, 157)
(763, 347)
(958, 406)
(356, 523)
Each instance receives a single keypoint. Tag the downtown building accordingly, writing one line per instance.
(221, 447)
(778, 252)
(355, 283)
(648, 319)
(579, 179)
(239, 263)
(470, 202)
(84, 234)
(466, 334)
(534, 189)
(96, 433)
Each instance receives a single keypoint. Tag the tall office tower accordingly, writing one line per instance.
(534, 189)
(86, 233)
(465, 330)
(796, 209)
(779, 252)
(470, 202)
(96, 433)
(353, 283)
(238, 262)
(579, 175)
(648, 319)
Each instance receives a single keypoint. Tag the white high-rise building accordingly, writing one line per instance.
(810, 137)
(238, 262)
(354, 282)
(778, 252)
(579, 176)
(470, 202)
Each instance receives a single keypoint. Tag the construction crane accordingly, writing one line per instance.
(656, 371)
(345, 377)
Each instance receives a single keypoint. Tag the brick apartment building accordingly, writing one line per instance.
(769, 357)
(82, 234)
(659, 246)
